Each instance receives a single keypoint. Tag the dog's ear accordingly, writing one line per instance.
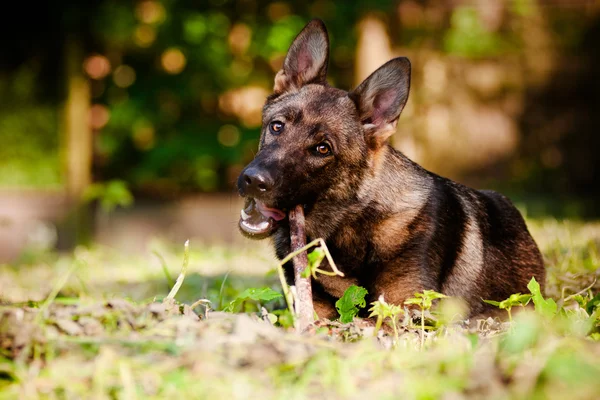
(306, 60)
(380, 99)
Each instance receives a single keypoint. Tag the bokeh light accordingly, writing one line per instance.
(239, 38)
(124, 76)
(278, 10)
(144, 35)
(245, 103)
(150, 12)
(143, 134)
(173, 61)
(97, 66)
(99, 116)
(228, 135)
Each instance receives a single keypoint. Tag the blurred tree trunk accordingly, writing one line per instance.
(372, 50)
(76, 147)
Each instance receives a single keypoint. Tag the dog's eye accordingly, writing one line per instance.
(323, 149)
(276, 127)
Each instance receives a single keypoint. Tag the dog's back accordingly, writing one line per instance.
(489, 253)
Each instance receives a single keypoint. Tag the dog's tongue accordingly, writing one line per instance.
(258, 219)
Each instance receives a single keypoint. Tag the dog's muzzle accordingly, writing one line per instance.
(257, 220)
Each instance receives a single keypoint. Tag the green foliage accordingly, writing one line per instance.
(469, 37)
(593, 305)
(545, 307)
(252, 295)
(349, 304)
(425, 299)
(29, 154)
(157, 352)
(516, 299)
(315, 258)
(285, 319)
(110, 194)
(383, 310)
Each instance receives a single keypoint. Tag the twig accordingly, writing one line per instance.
(304, 304)
(181, 277)
(321, 243)
(571, 297)
(286, 288)
(289, 298)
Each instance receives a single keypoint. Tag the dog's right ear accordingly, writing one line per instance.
(381, 98)
(306, 60)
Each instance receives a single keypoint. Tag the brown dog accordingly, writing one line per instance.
(391, 226)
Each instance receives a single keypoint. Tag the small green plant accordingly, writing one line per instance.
(545, 307)
(255, 295)
(516, 299)
(424, 301)
(311, 269)
(348, 305)
(315, 258)
(382, 310)
(285, 319)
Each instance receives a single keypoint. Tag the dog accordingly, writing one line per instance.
(391, 226)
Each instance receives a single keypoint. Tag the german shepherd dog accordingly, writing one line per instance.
(391, 226)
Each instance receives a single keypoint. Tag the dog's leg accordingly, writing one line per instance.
(398, 281)
(336, 285)
(324, 303)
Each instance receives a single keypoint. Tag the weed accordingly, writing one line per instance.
(383, 310)
(348, 305)
(424, 301)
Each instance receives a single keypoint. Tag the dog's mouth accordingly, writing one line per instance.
(258, 220)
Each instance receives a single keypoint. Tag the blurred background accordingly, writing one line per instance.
(125, 120)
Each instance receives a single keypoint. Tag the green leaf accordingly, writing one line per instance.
(315, 257)
(545, 307)
(254, 294)
(432, 294)
(492, 302)
(305, 273)
(593, 304)
(285, 318)
(414, 300)
(348, 305)
(519, 299)
(429, 296)
(314, 261)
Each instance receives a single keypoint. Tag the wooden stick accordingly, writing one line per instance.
(303, 302)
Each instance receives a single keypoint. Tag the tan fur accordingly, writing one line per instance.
(469, 262)
(391, 233)
(324, 308)
(398, 284)
(336, 285)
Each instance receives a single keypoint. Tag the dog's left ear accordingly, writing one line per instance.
(381, 98)
(306, 60)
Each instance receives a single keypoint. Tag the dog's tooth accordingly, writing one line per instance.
(244, 215)
(263, 225)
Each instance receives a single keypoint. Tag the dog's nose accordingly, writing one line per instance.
(256, 182)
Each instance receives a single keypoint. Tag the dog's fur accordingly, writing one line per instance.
(391, 226)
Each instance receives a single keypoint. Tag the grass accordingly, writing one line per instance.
(94, 324)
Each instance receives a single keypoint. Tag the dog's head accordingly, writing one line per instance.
(317, 141)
